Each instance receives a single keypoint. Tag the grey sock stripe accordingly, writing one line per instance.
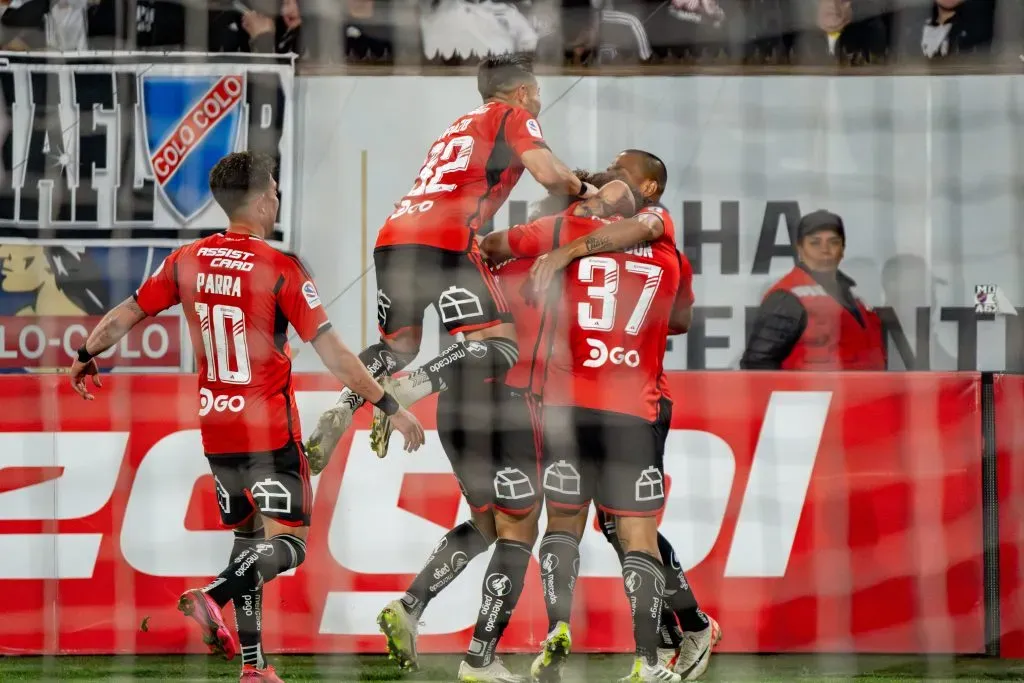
(639, 563)
(560, 537)
(516, 545)
(508, 350)
(294, 545)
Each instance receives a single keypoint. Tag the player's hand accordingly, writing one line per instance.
(546, 267)
(410, 428)
(79, 371)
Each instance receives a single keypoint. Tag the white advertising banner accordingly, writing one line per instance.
(926, 172)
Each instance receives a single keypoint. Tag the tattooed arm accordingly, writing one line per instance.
(115, 325)
(611, 237)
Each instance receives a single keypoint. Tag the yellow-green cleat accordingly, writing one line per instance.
(399, 628)
(547, 667)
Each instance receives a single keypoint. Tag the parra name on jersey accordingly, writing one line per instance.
(225, 285)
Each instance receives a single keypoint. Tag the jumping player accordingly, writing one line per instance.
(426, 254)
(239, 295)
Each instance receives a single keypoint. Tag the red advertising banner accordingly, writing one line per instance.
(52, 341)
(820, 513)
(1009, 409)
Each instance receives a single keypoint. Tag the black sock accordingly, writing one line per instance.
(503, 584)
(450, 556)
(559, 568)
(644, 579)
(471, 362)
(249, 606)
(255, 566)
(610, 531)
(381, 361)
(679, 596)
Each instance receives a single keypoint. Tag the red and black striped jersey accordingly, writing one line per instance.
(469, 172)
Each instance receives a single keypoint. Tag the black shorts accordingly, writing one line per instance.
(615, 460)
(274, 482)
(458, 284)
(491, 437)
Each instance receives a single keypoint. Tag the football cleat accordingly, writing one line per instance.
(695, 651)
(547, 667)
(251, 673)
(201, 607)
(495, 672)
(645, 673)
(329, 429)
(667, 657)
(399, 627)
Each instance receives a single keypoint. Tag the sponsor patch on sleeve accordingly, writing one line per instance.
(534, 128)
(310, 294)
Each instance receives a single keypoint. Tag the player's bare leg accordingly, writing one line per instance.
(503, 585)
(644, 580)
(486, 354)
(559, 569)
(283, 549)
(381, 359)
(399, 620)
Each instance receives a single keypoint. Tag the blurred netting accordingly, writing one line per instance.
(910, 156)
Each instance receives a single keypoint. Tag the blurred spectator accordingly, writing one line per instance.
(367, 32)
(473, 28)
(844, 31)
(694, 30)
(946, 28)
(275, 32)
(23, 24)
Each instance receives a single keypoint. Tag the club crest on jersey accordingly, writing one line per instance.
(190, 123)
(310, 294)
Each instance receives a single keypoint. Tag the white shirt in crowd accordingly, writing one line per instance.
(465, 28)
(65, 25)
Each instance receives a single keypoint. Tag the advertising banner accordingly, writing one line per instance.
(820, 513)
(1009, 433)
(102, 148)
(925, 171)
(51, 296)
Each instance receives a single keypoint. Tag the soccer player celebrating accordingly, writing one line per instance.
(426, 253)
(490, 433)
(239, 295)
(687, 634)
(604, 433)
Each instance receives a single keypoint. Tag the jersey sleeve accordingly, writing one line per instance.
(523, 133)
(300, 302)
(684, 295)
(160, 290)
(532, 239)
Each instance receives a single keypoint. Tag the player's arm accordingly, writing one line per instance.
(519, 241)
(780, 321)
(157, 293)
(110, 330)
(645, 227)
(300, 303)
(682, 308)
(523, 134)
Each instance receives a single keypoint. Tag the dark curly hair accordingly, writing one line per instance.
(237, 175)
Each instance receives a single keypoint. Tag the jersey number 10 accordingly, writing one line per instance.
(223, 330)
(605, 293)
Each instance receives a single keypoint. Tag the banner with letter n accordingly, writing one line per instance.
(117, 148)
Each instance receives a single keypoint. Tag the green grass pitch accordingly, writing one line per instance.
(581, 668)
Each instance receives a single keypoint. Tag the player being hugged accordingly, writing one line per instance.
(239, 296)
(603, 425)
(426, 252)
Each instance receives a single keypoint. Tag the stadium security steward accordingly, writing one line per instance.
(810, 319)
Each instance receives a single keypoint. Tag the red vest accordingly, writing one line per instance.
(833, 338)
